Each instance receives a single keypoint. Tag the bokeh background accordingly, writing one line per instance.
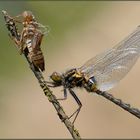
(79, 31)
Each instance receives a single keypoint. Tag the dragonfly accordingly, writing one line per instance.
(30, 37)
(102, 72)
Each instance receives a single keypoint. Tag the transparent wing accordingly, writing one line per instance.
(111, 66)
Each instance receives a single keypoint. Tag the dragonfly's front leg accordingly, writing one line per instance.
(17, 43)
(22, 48)
(15, 18)
(78, 102)
(51, 84)
(21, 43)
(45, 29)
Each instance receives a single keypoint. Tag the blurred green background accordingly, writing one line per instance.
(78, 31)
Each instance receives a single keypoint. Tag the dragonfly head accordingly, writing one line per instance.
(28, 16)
(57, 78)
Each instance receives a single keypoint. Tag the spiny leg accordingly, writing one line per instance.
(78, 102)
(22, 44)
(65, 95)
(17, 43)
(45, 30)
(51, 84)
(15, 18)
(14, 39)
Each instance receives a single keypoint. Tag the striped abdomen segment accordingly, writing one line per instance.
(38, 59)
(33, 44)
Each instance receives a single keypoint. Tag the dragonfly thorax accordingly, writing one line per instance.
(70, 79)
(73, 78)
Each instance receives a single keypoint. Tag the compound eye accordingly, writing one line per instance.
(56, 77)
(27, 15)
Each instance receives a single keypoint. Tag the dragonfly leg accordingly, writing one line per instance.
(78, 102)
(51, 84)
(65, 95)
(15, 18)
(14, 39)
(22, 42)
(46, 29)
(17, 43)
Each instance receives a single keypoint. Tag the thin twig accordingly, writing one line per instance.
(11, 26)
(120, 103)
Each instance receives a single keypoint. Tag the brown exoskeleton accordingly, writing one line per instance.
(31, 38)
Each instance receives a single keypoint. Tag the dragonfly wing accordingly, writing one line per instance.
(111, 66)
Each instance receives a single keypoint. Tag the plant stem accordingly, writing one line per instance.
(11, 26)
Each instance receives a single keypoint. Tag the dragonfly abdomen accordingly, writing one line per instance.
(38, 59)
